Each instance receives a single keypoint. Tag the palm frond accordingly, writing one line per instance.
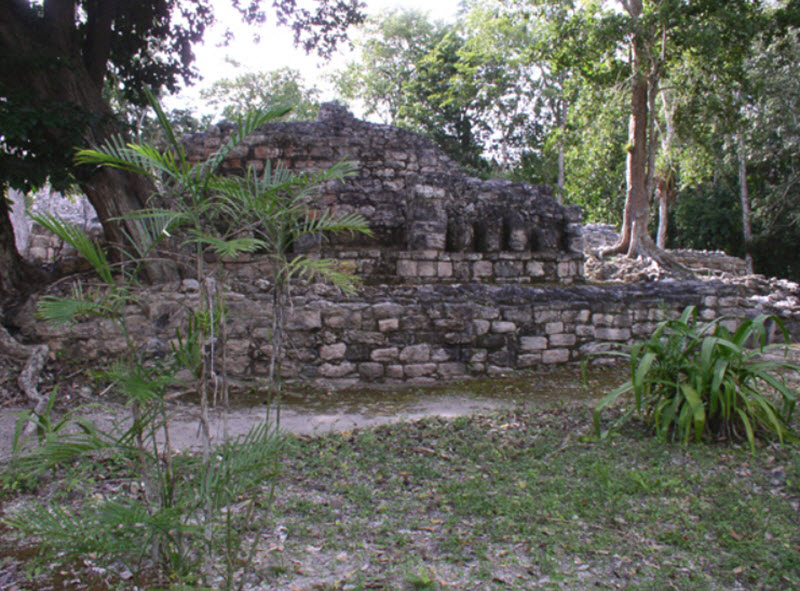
(79, 240)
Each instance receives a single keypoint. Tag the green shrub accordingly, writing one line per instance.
(694, 380)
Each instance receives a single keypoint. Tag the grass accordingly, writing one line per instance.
(523, 500)
(529, 499)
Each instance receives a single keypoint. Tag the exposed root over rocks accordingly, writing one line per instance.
(32, 359)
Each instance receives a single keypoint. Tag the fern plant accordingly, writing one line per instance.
(696, 380)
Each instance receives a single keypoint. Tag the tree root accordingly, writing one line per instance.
(34, 357)
(647, 249)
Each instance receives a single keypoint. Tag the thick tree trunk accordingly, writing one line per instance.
(70, 83)
(634, 239)
(13, 271)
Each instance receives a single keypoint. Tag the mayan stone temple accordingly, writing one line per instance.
(431, 222)
(462, 278)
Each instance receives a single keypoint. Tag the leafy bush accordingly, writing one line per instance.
(693, 380)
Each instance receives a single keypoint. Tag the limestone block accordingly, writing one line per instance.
(478, 356)
(519, 315)
(388, 324)
(534, 269)
(482, 269)
(406, 268)
(602, 319)
(480, 326)
(416, 354)
(612, 334)
(555, 356)
(477, 368)
(386, 354)
(554, 327)
(529, 360)
(506, 269)
(440, 355)
(371, 371)
(708, 314)
(444, 269)
(452, 370)
(417, 370)
(427, 268)
(562, 340)
(344, 319)
(304, 319)
(394, 371)
(533, 343)
(503, 327)
(333, 352)
(387, 310)
(414, 322)
(585, 331)
(338, 370)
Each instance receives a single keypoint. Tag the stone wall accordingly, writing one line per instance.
(417, 201)
(422, 333)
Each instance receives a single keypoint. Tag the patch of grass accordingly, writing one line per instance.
(528, 498)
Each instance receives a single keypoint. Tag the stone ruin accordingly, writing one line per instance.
(431, 222)
(463, 277)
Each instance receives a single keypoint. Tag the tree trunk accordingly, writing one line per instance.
(744, 196)
(634, 239)
(662, 195)
(69, 82)
(13, 271)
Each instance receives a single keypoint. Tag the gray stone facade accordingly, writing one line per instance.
(432, 222)
(423, 333)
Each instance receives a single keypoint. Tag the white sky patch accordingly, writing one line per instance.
(276, 50)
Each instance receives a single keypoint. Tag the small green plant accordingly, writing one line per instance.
(693, 380)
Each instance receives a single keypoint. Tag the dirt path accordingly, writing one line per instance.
(297, 419)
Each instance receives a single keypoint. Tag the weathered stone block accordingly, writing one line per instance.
(612, 334)
(535, 269)
(502, 327)
(332, 352)
(529, 360)
(562, 340)
(388, 324)
(383, 355)
(482, 269)
(340, 370)
(533, 343)
(427, 268)
(419, 369)
(555, 356)
(304, 320)
(452, 370)
(554, 327)
(406, 268)
(444, 269)
(480, 326)
(387, 310)
(371, 371)
(394, 372)
(415, 353)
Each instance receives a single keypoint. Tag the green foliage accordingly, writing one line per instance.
(708, 217)
(693, 380)
(259, 90)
